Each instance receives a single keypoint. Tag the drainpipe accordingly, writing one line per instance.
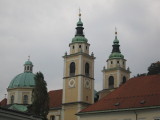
(136, 115)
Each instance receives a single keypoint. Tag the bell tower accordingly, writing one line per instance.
(78, 80)
(115, 72)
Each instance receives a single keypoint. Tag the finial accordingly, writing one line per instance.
(28, 58)
(115, 31)
(79, 13)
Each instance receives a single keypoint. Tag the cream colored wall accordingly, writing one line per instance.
(88, 91)
(106, 77)
(68, 62)
(149, 114)
(71, 93)
(79, 63)
(91, 65)
(115, 64)
(76, 48)
(70, 111)
(77, 93)
(56, 113)
(18, 95)
(118, 77)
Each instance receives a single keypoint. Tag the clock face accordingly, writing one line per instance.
(71, 83)
(87, 83)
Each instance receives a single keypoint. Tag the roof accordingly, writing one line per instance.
(137, 92)
(28, 63)
(3, 102)
(25, 79)
(116, 55)
(10, 114)
(18, 107)
(55, 98)
(79, 39)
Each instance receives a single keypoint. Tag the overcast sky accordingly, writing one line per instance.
(43, 30)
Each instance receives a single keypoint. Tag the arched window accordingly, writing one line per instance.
(111, 82)
(25, 99)
(12, 99)
(72, 69)
(87, 69)
(124, 80)
(27, 67)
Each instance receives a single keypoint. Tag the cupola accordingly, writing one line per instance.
(28, 66)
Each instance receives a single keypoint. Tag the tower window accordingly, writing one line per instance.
(27, 67)
(86, 47)
(124, 80)
(87, 69)
(25, 99)
(111, 62)
(117, 61)
(111, 82)
(12, 99)
(72, 69)
(73, 47)
(79, 46)
(123, 62)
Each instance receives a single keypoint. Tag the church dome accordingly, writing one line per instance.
(25, 79)
(28, 63)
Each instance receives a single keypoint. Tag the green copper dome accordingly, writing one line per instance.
(25, 79)
(79, 39)
(116, 55)
(28, 63)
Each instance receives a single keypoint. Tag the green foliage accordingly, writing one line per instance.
(40, 98)
(154, 68)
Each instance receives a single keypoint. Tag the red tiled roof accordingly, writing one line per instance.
(3, 102)
(55, 98)
(135, 93)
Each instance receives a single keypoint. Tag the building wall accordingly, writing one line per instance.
(150, 114)
(55, 113)
(18, 94)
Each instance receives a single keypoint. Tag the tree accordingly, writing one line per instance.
(154, 68)
(40, 98)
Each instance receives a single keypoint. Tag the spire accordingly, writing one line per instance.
(79, 27)
(79, 36)
(116, 51)
(79, 23)
(116, 43)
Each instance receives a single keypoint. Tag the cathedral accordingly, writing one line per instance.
(76, 100)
